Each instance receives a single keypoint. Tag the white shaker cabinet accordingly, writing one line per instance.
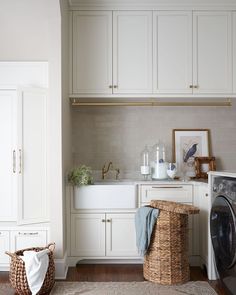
(212, 52)
(4, 246)
(132, 52)
(31, 167)
(103, 235)
(88, 235)
(22, 239)
(172, 52)
(8, 174)
(121, 235)
(92, 52)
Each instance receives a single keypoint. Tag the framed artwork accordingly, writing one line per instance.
(188, 144)
(200, 161)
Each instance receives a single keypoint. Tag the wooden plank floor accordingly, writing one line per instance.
(120, 273)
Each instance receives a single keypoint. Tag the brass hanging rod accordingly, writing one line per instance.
(227, 103)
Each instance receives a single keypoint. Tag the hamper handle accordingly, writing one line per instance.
(51, 246)
(10, 254)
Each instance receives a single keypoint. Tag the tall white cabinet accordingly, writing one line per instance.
(23, 155)
(8, 174)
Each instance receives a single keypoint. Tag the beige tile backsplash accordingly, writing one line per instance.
(119, 134)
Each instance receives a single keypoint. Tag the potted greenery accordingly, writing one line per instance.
(81, 175)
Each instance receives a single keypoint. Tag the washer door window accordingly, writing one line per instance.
(223, 233)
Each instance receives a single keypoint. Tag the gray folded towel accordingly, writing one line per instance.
(145, 219)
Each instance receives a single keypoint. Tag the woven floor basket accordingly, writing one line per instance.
(17, 273)
(166, 261)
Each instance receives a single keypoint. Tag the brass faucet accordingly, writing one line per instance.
(104, 170)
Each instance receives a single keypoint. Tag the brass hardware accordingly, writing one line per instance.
(103, 220)
(195, 86)
(110, 86)
(108, 220)
(20, 162)
(226, 103)
(190, 86)
(206, 195)
(104, 170)
(28, 234)
(14, 161)
(167, 187)
(115, 86)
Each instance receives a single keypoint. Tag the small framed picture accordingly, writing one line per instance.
(199, 165)
(188, 144)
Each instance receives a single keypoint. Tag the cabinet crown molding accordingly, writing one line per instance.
(152, 4)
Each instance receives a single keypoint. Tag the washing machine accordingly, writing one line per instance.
(223, 230)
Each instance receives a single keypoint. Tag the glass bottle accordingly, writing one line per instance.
(145, 164)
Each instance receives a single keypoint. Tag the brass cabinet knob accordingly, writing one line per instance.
(110, 86)
(108, 220)
(103, 220)
(195, 86)
(190, 86)
(115, 86)
(206, 195)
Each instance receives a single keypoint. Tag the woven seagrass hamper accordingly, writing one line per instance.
(166, 261)
(17, 273)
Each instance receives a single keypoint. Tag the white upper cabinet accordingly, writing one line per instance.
(31, 168)
(234, 51)
(212, 52)
(8, 155)
(172, 52)
(92, 52)
(132, 52)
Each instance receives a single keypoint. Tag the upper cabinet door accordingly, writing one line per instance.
(132, 52)
(212, 47)
(92, 52)
(8, 151)
(31, 156)
(172, 51)
(234, 51)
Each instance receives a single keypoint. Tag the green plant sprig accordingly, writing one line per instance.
(81, 175)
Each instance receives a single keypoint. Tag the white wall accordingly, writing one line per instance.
(31, 30)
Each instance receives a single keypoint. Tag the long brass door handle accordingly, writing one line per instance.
(20, 161)
(14, 161)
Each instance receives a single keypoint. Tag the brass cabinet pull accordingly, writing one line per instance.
(20, 162)
(14, 161)
(160, 187)
(28, 234)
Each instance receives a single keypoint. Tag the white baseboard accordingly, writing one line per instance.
(61, 268)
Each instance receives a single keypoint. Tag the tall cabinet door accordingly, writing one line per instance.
(120, 235)
(212, 47)
(31, 168)
(92, 52)
(234, 51)
(8, 155)
(132, 52)
(172, 51)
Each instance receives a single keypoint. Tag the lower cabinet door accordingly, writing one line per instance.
(88, 235)
(27, 239)
(4, 246)
(120, 235)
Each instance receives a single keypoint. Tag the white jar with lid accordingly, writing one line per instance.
(158, 164)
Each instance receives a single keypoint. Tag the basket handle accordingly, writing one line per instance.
(51, 246)
(10, 254)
